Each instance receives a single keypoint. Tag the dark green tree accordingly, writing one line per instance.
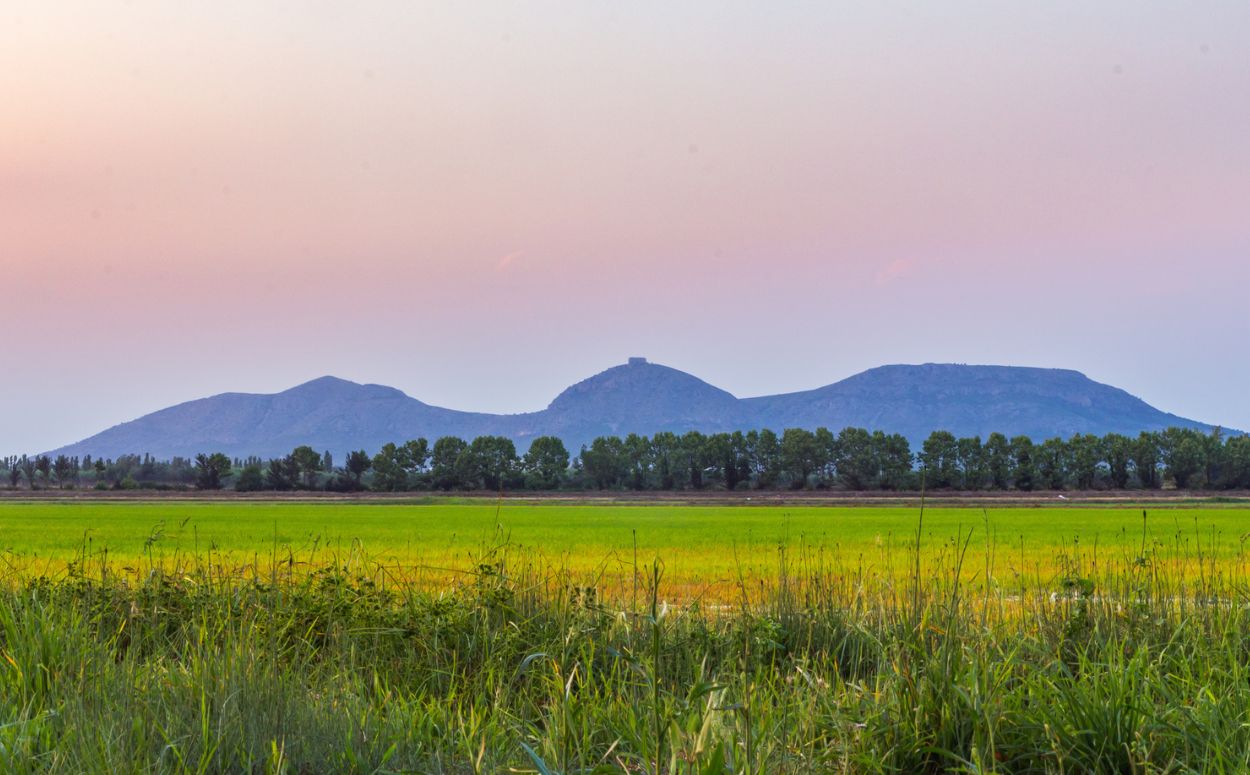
(940, 458)
(1146, 460)
(998, 461)
(1052, 464)
(308, 462)
(546, 463)
(665, 451)
(1118, 452)
(211, 470)
(973, 470)
(604, 462)
(1184, 454)
(390, 468)
(1236, 463)
(728, 457)
(1213, 453)
(43, 465)
(491, 462)
(799, 456)
(764, 453)
(855, 458)
(282, 474)
(1085, 452)
(65, 470)
(251, 479)
(693, 453)
(358, 464)
(637, 450)
(445, 469)
(1024, 474)
(897, 463)
(417, 453)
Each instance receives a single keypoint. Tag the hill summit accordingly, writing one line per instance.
(645, 398)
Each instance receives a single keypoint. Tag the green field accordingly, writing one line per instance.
(703, 548)
(476, 637)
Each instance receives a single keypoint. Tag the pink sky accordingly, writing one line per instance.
(481, 204)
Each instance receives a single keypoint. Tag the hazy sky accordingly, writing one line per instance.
(480, 203)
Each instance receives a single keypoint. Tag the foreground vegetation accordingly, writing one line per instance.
(939, 658)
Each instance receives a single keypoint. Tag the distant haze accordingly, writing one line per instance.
(479, 203)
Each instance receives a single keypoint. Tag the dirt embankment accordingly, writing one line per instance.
(708, 498)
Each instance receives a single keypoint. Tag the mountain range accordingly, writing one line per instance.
(641, 397)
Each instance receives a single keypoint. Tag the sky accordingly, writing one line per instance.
(482, 203)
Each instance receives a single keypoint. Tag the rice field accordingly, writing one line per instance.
(707, 550)
(475, 637)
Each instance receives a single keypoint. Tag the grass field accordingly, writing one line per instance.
(198, 637)
(705, 549)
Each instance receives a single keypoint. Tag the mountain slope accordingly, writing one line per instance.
(638, 397)
(968, 401)
(326, 413)
(641, 397)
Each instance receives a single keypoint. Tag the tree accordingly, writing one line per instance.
(546, 463)
(1213, 452)
(693, 455)
(1025, 475)
(940, 458)
(1085, 452)
(727, 454)
(357, 464)
(972, 468)
(491, 461)
(251, 479)
(855, 459)
(308, 462)
(742, 460)
(764, 453)
(28, 467)
(43, 464)
(893, 452)
(390, 468)
(1184, 455)
(418, 455)
(664, 453)
(637, 451)
(1118, 451)
(826, 471)
(64, 469)
(998, 460)
(210, 470)
(444, 462)
(1052, 463)
(799, 456)
(282, 474)
(604, 462)
(15, 474)
(1236, 463)
(1146, 460)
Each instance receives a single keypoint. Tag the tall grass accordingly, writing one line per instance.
(1120, 664)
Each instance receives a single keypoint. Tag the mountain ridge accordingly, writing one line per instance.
(642, 397)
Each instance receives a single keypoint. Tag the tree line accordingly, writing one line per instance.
(853, 459)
